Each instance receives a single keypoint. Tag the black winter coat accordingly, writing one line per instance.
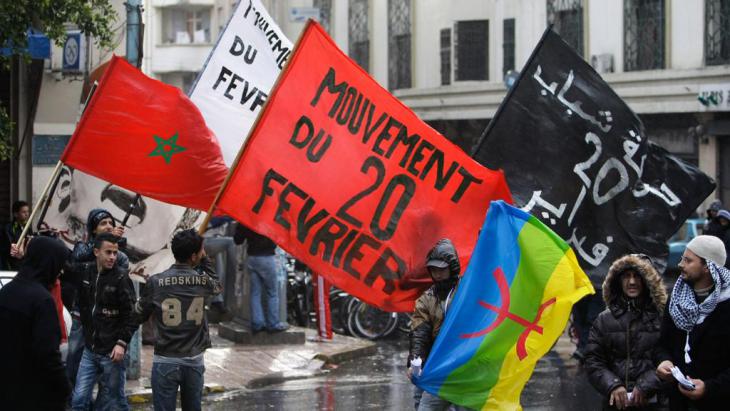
(622, 351)
(710, 352)
(622, 345)
(106, 304)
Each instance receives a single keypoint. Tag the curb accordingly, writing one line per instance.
(315, 368)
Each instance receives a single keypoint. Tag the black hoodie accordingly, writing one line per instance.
(33, 376)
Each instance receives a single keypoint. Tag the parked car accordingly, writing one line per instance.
(677, 243)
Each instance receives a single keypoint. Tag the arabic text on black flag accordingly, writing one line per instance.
(577, 158)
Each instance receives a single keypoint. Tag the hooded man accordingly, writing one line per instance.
(695, 332)
(443, 265)
(621, 351)
(33, 376)
(712, 225)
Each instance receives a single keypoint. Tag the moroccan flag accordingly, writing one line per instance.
(578, 158)
(147, 137)
(350, 181)
(509, 308)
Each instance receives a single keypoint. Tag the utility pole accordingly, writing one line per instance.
(134, 57)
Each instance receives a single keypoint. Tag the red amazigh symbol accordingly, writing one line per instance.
(503, 313)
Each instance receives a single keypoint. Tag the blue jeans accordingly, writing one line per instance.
(111, 380)
(166, 378)
(264, 277)
(223, 249)
(430, 402)
(75, 350)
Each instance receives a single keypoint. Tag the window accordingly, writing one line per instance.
(508, 46)
(717, 32)
(325, 10)
(182, 26)
(643, 34)
(359, 37)
(472, 50)
(566, 16)
(399, 44)
(445, 57)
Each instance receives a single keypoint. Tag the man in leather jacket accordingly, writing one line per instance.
(106, 301)
(622, 352)
(443, 265)
(176, 299)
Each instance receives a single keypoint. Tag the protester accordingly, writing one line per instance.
(443, 265)
(33, 376)
(11, 234)
(695, 335)
(99, 221)
(263, 268)
(621, 349)
(106, 300)
(723, 232)
(712, 226)
(176, 297)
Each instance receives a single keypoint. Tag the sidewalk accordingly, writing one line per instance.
(230, 366)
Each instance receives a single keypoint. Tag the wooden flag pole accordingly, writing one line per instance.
(42, 200)
(204, 224)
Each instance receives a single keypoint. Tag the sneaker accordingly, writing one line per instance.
(279, 328)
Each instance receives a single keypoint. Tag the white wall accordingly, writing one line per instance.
(686, 34)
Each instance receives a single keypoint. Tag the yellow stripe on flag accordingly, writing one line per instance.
(567, 284)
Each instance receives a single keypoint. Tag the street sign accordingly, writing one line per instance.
(74, 52)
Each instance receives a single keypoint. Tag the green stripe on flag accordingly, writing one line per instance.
(541, 251)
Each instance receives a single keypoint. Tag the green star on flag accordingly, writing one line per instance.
(163, 150)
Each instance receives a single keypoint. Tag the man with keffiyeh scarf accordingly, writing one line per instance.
(695, 334)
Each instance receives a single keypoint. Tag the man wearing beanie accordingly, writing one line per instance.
(695, 332)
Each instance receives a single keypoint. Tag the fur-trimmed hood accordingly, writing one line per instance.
(612, 291)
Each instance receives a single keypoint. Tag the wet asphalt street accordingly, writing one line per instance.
(378, 382)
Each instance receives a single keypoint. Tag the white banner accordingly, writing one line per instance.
(239, 74)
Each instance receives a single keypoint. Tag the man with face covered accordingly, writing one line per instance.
(443, 265)
(33, 376)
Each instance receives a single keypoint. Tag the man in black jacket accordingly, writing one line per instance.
(106, 301)
(32, 376)
(695, 335)
(620, 356)
(11, 233)
(176, 297)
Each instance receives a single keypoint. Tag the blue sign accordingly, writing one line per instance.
(72, 52)
(47, 149)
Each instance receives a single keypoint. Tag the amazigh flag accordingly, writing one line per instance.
(350, 181)
(578, 158)
(147, 137)
(509, 308)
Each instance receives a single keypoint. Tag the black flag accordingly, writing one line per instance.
(577, 158)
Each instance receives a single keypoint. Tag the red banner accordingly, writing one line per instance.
(349, 180)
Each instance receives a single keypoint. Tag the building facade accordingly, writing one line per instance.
(668, 59)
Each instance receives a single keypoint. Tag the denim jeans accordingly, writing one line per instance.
(75, 350)
(430, 402)
(166, 378)
(223, 249)
(264, 278)
(111, 376)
